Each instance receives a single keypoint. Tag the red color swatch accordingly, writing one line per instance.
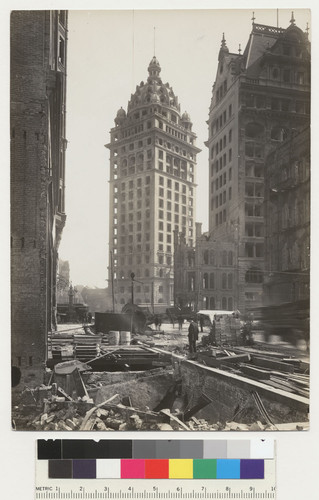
(156, 469)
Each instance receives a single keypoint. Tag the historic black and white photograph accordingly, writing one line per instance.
(160, 219)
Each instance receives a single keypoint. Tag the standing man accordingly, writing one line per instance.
(192, 336)
(180, 323)
(201, 322)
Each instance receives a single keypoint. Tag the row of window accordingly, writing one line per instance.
(222, 89)
(227, 303)
(160, 272)
(221, 180)
(276, 103)
(212, 257)
(177, 186)
(221, 144)
(177, 198)
(221, 120)
(289, 75)
(221, 199)
(171, 131)
(220, 217)
(254, 189)
(209, 281)
(221, 162)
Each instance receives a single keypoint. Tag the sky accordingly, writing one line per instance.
(108, 55)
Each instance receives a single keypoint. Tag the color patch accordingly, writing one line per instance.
(205, 469)
(191, 449)
(262, 448)
(60, 469)
(144, 449)
(238, 449)
(215, 449)
(84, 469)
(167, 449)
(228, 469)
(108, 468)
(133, 469)
(252, 469)
(50, 449)
(180, 469)
(156, 469)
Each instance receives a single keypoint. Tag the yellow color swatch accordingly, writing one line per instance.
(180, 468)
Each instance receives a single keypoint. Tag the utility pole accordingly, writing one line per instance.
(152, 296)
(132, 289)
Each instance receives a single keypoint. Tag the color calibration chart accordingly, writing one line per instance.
(155, 469)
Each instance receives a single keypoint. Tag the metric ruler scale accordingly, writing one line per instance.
(154, 493)
(57, 472)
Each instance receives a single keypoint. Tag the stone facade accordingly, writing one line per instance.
(287, 211)
(206, 276)
(260, 98)
(38, 86)
(152, 192)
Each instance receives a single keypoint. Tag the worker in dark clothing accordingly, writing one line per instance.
(180, 322)
(192, 336)
(201, 322)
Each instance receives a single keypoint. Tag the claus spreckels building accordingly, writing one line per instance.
(152, 192)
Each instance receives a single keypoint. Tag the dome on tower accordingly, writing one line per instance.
(153, 91)
(186, 117)
(120, 116)
(155, 97)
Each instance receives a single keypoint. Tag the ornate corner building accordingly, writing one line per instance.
(152, 192)
(261, 98)
(38, 144)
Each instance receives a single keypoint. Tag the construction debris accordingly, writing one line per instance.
(92, 385)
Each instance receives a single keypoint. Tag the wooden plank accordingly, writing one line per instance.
(255, 372)
(272, 364)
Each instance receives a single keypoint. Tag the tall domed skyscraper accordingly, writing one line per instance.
(152, 192)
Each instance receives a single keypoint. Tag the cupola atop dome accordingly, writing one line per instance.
(120, 116)
(186, 121)
(153, 91)
(154, 68)
(186, 117)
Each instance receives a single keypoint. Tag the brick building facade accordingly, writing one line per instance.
(38, 144)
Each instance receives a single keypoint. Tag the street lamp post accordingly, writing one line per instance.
(132, 289)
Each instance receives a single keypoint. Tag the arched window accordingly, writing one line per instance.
(224, 258)
(205, 257)
(230, 281)
(212, 303)
(205, 281)
(224, 303)
(224, 281)
(212, 258)
(230, 303)
(212, 281)
(230, 258)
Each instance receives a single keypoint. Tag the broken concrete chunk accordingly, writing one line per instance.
(70, 423)
(164, 427)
